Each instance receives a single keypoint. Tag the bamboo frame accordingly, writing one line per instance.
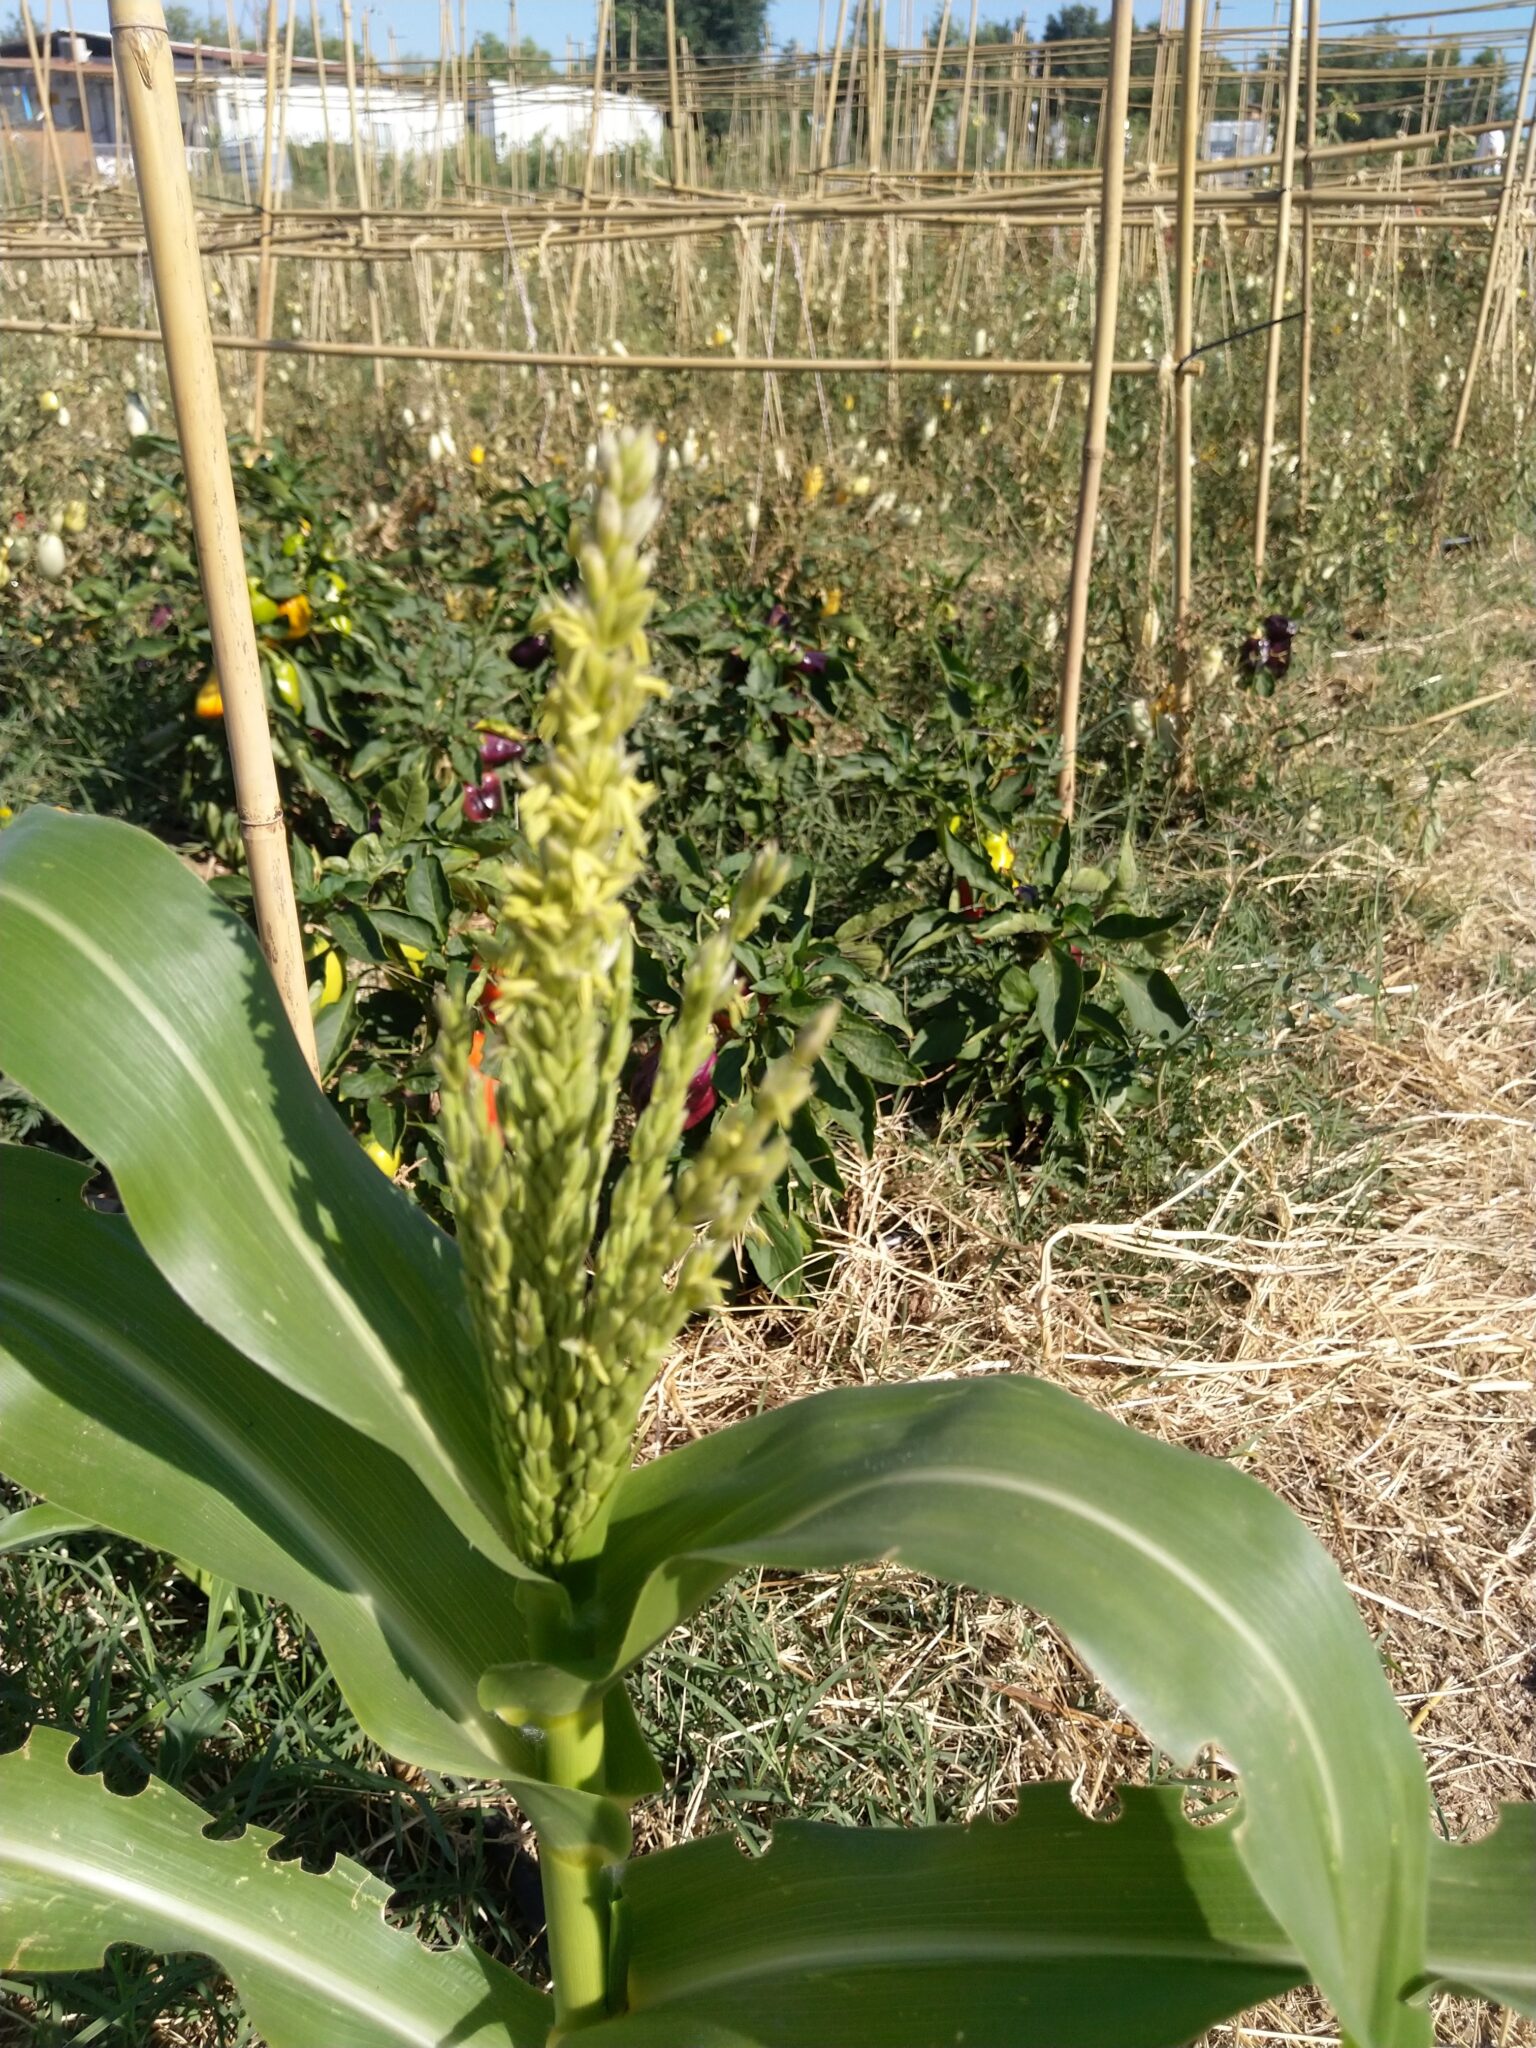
(143, 52)
(1106, 311)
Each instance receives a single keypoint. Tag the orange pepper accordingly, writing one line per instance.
(476, 1056)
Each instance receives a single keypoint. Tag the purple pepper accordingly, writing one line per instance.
(532, 649)
(496, 749)
(477, 805)
(779, 616)
(813, 662)
(160, 618)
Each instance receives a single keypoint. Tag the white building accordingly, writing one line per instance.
(519, 116)
(1229, 140)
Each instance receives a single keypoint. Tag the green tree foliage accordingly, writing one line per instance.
(714, 28)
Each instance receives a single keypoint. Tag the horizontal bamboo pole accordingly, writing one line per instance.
(594, 359)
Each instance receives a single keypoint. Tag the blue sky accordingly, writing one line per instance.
(551, 21)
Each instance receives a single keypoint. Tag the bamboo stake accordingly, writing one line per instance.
(1496, 244)
(933, 88)
(1106, 312)
(674, 107)
(266, 290)
(325, 105)
(40, 77)
(237, 66)
(824, 144)
(1277, 287)
(142, 51)
(264, 203)
(360, 179)
(1308, 259)
(1184, 391)
(963, 121)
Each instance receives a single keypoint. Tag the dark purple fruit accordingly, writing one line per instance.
(779, 616)
(482, 799)
(496, 749)
(532, 649)
(813, 662)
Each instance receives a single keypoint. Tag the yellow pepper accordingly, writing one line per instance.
(210, 699)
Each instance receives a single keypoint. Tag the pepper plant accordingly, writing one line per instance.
(277, 1368)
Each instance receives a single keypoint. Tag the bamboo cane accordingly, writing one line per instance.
(1106, 312)
(1277, 286)
(963, 122)
(674, 106)
(325, 105)
(1308, 259)
(264, 204)
(824, 141)
(40, 77)
(1496, 244)
(237, 66)
(266, 288)
(1184, 390)
(360, 179)
(142, 51)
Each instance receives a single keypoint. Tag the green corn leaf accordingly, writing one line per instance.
(28, 1528)
(1481, 1900)
(1048, 1931)
(117, 1403)
(313, 1957)
(1199, 1600)
(176, 1065)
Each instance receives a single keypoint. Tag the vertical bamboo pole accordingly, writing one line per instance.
(237, 66)
(264, 204)
(325, 106)
(360, 179)
(266, 283)
(875, 89)
(1184, 388)
(142, 52)
(1277, 286)
(933, 88)
(40, 79)
(1496, 240)
(1308, 258)
(1106, 312)
(829, 113)
(963, 121)
(674, 105)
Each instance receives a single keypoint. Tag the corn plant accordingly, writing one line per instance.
(277, 1368)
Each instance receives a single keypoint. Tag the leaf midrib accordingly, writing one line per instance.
(104, 967)
(1013, 1945)
(267, 1481)
(225, 1936)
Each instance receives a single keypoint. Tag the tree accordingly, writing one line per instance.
(714, 28)
(533, 60)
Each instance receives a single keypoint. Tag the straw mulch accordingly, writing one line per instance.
(1356, 1326)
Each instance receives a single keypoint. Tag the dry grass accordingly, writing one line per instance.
(1354, 1323)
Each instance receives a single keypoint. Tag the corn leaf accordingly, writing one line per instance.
(1048, 1931)
(313, 1957)
(176, 1066)
(1199, 1600)
(121, 1407)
